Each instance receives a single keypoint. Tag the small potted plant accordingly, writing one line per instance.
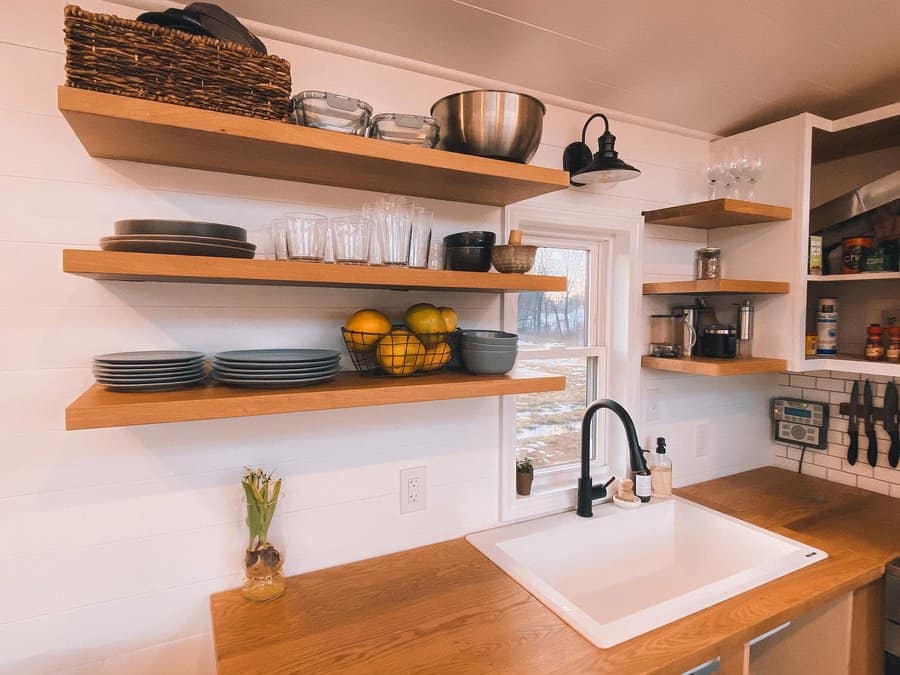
(262, 561)
(524, 476)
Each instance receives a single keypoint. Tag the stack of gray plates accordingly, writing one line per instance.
(149, 371)
(179, 237)
(276, 367)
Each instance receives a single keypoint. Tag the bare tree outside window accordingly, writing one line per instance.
(550, 324)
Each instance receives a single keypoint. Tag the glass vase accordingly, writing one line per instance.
(263, 580)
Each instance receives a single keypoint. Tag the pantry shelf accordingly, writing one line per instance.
(117, 266)
(716, 287)
(718, 213)
(99, 408)
(698, 365)
(119, 127)
(852, 363)
(862, 276)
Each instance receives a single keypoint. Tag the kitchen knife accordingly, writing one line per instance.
(853, 426)
(891, 418)
(869, 425)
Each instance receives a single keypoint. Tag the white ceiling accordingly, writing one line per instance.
(719, 67)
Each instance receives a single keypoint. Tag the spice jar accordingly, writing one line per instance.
(875, 343)
(893, 350)
(708, 263)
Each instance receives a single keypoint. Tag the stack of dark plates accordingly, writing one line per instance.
(149, 371)
(179, 237)
(276, 367)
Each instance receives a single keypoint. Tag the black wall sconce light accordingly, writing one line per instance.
(603, 167)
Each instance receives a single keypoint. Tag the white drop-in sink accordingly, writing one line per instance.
(624, 572)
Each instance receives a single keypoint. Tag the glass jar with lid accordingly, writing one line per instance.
(708, 263)
(893, 350)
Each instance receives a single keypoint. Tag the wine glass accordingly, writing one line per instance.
(752, 170)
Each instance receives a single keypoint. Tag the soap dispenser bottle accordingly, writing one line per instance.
(642, 483)
(661, 471)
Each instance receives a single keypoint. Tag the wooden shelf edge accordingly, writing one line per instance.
(716, 286)
(697, 365)
(98, 408)
(117, 266)
(102, 122)
(717, 213)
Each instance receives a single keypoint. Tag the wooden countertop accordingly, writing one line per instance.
(445, 608)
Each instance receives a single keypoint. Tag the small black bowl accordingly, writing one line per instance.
(477, 238)
(468, 258)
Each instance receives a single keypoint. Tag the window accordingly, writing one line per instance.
(565, 333)
(558, 334)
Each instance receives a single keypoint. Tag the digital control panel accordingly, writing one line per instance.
(800, 422)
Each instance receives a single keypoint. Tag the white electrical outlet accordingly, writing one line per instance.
(413, 489)
(703, 439)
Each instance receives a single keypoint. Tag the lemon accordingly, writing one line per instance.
(436, 356)
(368, 326)
(450, 318)
(400, 353)
(426, 321)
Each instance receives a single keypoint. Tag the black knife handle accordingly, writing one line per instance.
(894, 452)
(872, 452)
(853, 448)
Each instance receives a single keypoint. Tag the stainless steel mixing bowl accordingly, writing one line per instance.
(497, 124)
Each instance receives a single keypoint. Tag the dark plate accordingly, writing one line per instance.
(194, 228)
(162, 386)
(279, 356)
(245, 371)
(151, 369)
(182, 238)
(169, 357)
(173, 248)
(266, 384)
(120, 381)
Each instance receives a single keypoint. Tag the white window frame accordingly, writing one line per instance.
(554, 488)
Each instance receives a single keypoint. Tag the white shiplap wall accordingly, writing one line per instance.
(113, 539)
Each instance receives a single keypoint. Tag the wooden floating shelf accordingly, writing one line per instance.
(862, 276)
(718, 213)
(853, 363)
(699, 365)
(716, 287)
(99, 408)
(119, 127)
(116, 266)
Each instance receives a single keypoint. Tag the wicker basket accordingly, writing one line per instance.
(142, 60)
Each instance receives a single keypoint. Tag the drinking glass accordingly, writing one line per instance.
(279, 238)
(422, 220)
(436, 255)
(350, 239)
(374, 211)
(306, 235)
(752, 169)
(395, 231)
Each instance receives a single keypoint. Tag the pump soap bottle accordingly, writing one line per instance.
(661, 471)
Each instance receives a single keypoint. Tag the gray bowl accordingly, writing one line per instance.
(490, 335)
(498, 124)
(488, 363)
(490, 348)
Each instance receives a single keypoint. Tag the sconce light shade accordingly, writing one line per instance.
(602, 167)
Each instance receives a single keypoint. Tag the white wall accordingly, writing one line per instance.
(115, 538)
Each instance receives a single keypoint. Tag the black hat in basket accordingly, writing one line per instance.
(204, 18)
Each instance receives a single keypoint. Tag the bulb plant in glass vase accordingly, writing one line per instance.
(263, 579)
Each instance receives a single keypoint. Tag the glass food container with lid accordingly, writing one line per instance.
(324, 110)
(407, 129)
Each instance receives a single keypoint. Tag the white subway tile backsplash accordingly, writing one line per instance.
(803, 381)
(829, 384)
(834, 388)
(841, 477)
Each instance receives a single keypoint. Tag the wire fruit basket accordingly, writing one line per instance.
(401, 352)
